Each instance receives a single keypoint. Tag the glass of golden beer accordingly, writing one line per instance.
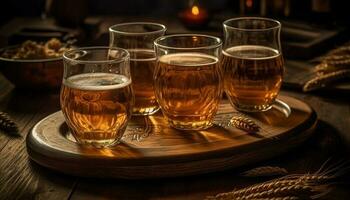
(96, 94)
(252, 62)
(138, 38)
(188, 79)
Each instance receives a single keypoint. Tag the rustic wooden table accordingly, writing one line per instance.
(20, 178)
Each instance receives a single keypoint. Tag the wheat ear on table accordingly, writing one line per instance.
(244, 124)
(7, 124)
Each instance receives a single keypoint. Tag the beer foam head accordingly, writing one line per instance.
(254, 52)
(97, 81)
(188, 59)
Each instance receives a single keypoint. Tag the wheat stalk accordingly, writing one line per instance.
(265, 171)
(337, 59)
(333, 63)
(340, 50)
(7, 124)
(341, 61)
(304, 185)
(278, 198)
(325, 68)
(296, 185)
(338, 56)
(332, 68)
(245, 124)
(326, 79)
(275, 198)
(256, 189)
(299, 189)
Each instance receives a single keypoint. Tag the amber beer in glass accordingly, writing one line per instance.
(96, 94)
(188, 79)
(138, 38)
(252, 62)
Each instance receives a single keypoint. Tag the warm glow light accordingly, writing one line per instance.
(249, 3)
(195, 10)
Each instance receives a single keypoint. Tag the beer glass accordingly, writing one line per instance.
(252, 62)
(188, 79)
(138, 38)
(96, 94)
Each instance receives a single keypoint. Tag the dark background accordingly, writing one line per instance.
(309, 27)
(299, 9)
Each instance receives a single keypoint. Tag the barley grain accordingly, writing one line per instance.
(326, 79)
(245, 124)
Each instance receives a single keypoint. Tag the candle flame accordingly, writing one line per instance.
(195, 10)
(249, 3)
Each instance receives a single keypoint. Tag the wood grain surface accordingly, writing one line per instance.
(151, 149)
(19, 178)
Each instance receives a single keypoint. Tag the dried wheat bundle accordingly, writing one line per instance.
(333, 63)
(339, 54)
(324, 68)
(7, 124)
(303, 186)
(245, 124)
(343, 60)
(279, 198)
(325, 79)
(265, 171)
(274, 188)
(333, 67)
(340, 51)
(334, 57)
(300, 189)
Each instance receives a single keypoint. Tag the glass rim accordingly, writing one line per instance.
(277, 23)
(82, 49)
(112, 28)
(218, 40)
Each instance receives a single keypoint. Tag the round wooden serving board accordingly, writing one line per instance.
(152, 149)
